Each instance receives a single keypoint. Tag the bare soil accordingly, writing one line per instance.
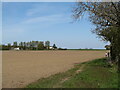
(20, 68)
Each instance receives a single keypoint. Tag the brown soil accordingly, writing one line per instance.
(23, 67)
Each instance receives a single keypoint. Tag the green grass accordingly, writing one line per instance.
(93, 74)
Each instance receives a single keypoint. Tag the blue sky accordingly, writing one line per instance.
(47, 21)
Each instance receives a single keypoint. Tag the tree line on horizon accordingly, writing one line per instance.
(32, 45)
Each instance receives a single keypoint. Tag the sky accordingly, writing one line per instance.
(42, 21)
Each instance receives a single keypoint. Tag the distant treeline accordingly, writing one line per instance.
(88, 49)
(39, 45)
(32, 45)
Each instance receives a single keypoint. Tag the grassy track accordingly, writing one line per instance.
(93, 74)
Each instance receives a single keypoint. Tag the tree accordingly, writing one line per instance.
(5, 47)
(54, 46)
(24, 45)
(14, 44)
(47, 44)
(41, 46)
(31, 46)
(21, 45)
(9, 46)
(106, 17)
(0, 47)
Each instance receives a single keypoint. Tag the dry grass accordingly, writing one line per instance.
(23, 67)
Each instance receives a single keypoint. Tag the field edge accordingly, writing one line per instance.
(81, 76)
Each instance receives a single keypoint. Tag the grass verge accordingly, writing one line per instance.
(93, 74)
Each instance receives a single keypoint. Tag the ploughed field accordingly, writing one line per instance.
(19, 68)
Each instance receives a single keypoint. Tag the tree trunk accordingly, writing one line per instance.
(119, 63)
(115, 48)
(118, 41)
(113, 53)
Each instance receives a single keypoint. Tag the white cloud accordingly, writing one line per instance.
(45, 9)
(40, 0)
(46, 14)
(48, 19)
(37, 9)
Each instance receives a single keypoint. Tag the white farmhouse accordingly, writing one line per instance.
(17, 49)
(51, 48)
